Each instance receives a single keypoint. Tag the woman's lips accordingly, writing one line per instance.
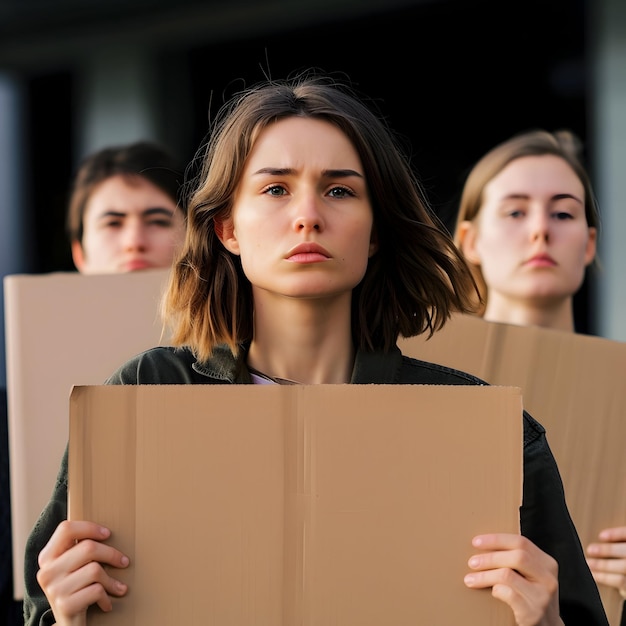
(308, 253)
(541, 260)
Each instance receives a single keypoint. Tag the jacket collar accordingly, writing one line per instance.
(224, 366)
(369, 367)
(377, 367)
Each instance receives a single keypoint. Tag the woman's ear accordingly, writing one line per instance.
(466, 241)
(225, 232)
(78, 255)
(373, 249)
(592, 242)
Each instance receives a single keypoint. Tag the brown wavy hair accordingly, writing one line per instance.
(412, 284)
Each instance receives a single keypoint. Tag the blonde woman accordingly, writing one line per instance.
(528, 225)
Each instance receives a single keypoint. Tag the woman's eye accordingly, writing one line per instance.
(515, 213)
(340, 192)
(275, 190)
(562, 215)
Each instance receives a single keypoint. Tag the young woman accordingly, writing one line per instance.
(124, 213)
(528, 225)
(309, 250)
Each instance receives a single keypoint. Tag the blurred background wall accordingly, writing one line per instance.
(453, 77)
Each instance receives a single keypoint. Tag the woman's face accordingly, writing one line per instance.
(129, 224)
(531, 237)
(301, 218)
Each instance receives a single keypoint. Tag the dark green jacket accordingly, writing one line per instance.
(545, 519)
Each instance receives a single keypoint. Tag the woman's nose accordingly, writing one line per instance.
(540, 227)
(308, 214)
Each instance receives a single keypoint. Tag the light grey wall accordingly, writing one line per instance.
(116, 97)
(608, 76)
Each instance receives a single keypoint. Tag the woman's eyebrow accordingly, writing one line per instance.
(567, 196)
(341, 173)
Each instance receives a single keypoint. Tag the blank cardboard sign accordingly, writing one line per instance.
(575, 386)
(63, 329)
(276, 505)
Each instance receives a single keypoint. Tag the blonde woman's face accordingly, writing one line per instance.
(128, 225)
(531, 237)
(302, 219)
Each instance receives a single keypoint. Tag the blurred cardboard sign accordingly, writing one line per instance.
(575, 385)
(281, 505)
(63, 329)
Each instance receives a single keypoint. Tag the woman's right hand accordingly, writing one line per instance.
(519, 574)
(71, 571)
